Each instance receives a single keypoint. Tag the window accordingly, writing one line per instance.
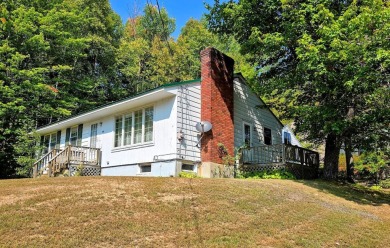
(187, 167)
(51, 141)
(267, 136)
(247, 135)
(128, 129)
(287, 138)
(138, 126)
(134, 128)
(145, 168)
(118, 131)
(73, 136)
(93, 135)
(46, 144)
(148, 124)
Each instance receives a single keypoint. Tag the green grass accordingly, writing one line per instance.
(176, 212)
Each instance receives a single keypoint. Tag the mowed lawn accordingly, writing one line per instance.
(177, 212)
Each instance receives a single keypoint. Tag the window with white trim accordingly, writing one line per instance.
(93, 135)
(51, 141)
(138, 121)
(127, 129)
(74, 135)
(134, 128)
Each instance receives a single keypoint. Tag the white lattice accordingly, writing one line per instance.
(262, 167)
(86, 171)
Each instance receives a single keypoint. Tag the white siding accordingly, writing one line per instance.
(124, 160)
(246, 110)
(164, 140)
(158, 169)
(188, 114)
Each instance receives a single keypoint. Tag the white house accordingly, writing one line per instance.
(154, 133)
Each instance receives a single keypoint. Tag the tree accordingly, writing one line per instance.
(145, 55)
(155, 23)
(195, 37)
(56, 58)
(327, 60)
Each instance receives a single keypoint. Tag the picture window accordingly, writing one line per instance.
(134, 128)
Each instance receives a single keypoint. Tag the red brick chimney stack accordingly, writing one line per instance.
(217, 103)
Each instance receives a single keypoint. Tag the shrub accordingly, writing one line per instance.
(79, 171)
(274, 174)
(371, 165)
(188, 174)
(376, 187)
(385, 184)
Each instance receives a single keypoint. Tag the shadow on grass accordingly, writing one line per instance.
(350, 192)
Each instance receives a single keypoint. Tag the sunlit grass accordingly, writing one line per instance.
(125, 211)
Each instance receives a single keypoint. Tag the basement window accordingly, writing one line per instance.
(187, 167)
(145, 168)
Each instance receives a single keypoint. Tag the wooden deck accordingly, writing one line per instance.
(303, 163)
(70, 158)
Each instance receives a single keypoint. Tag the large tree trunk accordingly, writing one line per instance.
(349, 160)
(348, 146)
(331, 161)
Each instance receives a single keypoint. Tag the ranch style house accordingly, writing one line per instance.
(175, 127)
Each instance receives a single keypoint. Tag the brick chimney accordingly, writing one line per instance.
(216, 104)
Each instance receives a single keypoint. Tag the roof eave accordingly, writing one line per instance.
(108, 110)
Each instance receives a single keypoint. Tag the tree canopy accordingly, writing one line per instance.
(56, 58)
(325, 63)
(63, 57)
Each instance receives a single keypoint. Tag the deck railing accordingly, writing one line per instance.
(42, 163)
(57, 159)
(299, 155)
(84, 155)
(263, 154)
(304, 163)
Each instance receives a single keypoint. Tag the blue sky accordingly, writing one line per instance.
(181, 10)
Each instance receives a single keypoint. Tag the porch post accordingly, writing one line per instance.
(35, 170)
(302, 161)
(49, 171)
(68, 162)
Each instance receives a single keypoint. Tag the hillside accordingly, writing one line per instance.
(176, 212)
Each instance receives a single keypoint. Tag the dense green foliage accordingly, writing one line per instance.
(326, 64)
(188, 174)
(275, 174)
(373, 165)
(385, 184)
(56, 58)
(63, 57)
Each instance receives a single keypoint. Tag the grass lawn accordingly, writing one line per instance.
(177, 212)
